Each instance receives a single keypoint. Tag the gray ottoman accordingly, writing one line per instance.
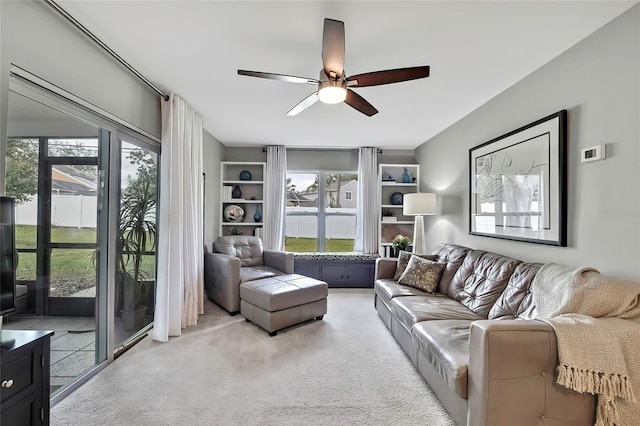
(278, 302)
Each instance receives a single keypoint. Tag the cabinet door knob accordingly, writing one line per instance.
(7, 383)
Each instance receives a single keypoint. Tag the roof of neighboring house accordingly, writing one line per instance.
(70, 180)
(334, 186)
(296, 196)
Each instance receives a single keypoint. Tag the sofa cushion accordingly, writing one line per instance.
(509, 303)
(403, 261)
(423, 274)
(445, 344)
(527, 309)
(387, 289)
(252, 273)
(453, 255)
(481, 279)
(246, 248)
(410, 310)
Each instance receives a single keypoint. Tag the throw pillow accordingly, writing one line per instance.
(423, 274)
(403, 260)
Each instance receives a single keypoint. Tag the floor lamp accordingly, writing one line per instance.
(419, 204)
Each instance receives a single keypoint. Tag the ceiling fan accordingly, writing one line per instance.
(333, 84)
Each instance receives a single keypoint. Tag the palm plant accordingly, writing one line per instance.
(137, 231)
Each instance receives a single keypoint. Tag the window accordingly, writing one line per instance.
(320, 217)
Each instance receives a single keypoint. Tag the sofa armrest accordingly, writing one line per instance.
(512, 381)
(385, 268)
(279, 260)
(222, 280)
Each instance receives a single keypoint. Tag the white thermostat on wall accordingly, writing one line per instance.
(594, 153)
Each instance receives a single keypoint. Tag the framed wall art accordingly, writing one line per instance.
(518, 184)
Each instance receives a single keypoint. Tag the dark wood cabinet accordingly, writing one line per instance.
(24, 377)
(338, 273)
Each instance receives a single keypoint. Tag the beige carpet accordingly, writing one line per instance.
(344, 370)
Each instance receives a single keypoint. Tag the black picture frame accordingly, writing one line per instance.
(518, 184)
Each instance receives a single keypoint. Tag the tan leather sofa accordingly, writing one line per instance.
(238, 259)
(476, 343)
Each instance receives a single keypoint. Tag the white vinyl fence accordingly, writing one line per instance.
(77, 211)
(307, 227)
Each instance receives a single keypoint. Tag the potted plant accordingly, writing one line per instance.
(137, 239)
(400, 242)
(388, 215)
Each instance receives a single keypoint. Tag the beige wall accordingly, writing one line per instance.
(598, 82)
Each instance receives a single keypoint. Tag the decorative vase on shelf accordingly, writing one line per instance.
(237, 192)
(405, 176)
(257, 217)
(396, 198)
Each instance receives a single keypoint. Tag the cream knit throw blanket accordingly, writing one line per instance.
(597, 324)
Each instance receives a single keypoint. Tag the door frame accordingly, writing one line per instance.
(59, 306)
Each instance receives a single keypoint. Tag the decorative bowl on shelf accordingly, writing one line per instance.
(396, 198)
(233, 213)
(245, 175)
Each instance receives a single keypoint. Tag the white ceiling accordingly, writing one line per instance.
(475, 49)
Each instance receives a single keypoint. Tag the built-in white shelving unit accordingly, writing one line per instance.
(250, 200)
(390, 179)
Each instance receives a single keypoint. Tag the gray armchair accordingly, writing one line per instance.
(237, 259)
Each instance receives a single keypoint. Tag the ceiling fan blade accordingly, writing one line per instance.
(304, 104)
(280, 77)
(358, 102)
(333, 47)
(388, 76)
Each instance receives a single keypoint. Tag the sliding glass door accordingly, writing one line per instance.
(86, 191)
(53, 171)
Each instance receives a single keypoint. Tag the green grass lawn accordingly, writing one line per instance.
(71, 269)
(26, 235)
(298, 245)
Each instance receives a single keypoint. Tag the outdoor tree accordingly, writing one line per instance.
(333, 187)
(291, 187)
(146, 172)
(22, 164)
(22, 169)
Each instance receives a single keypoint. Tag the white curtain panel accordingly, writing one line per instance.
(368, 202)
(275, 198)
(180, 280)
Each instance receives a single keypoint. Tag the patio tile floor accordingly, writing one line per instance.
(72, 345)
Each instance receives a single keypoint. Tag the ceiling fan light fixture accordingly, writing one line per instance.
(332, 80)
(332, 92)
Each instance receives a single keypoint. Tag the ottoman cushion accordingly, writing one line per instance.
(284, 291)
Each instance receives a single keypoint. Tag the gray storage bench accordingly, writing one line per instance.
(278, 302)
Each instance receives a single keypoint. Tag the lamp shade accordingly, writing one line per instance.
(419, 204)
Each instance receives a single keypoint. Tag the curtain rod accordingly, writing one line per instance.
(379, 150)
(100, 43)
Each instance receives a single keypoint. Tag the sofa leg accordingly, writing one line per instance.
(319, 317)
(234, 313)
(247, 320)
(272, 333)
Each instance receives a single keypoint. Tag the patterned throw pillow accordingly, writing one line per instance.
(403, 260)
(423, 274)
